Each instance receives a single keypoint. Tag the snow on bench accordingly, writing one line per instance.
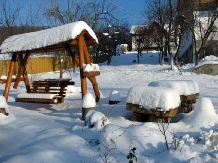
(187, 89)
(46, 91)
(160, 102)
(38, 97)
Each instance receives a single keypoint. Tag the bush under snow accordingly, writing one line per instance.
(95, 119)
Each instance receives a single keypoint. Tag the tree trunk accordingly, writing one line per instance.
(172, 62)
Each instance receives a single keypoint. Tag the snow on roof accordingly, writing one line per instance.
(43, 38)
(184, 87)
(208, 60)
(137, 28)
(153, 97)
(5, 57)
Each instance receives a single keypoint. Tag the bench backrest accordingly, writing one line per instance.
(51, 86)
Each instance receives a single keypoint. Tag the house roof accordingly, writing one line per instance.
(134, 28)
(49, 40)
(140, 29)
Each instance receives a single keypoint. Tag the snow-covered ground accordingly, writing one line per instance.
(43, 133)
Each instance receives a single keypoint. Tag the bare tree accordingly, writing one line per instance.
(199, 19)
(9, 19)
(138, 35)
(164, 12)
(203, 32)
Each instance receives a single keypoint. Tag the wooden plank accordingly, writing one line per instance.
(36, 100)
(91, 74)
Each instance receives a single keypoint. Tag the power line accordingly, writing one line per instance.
(126, 10)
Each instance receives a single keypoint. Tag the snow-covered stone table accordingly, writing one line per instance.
(187, 89)
(152, 103)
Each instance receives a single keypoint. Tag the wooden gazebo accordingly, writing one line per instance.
(67, 37)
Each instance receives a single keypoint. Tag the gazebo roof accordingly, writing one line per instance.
(49, 40)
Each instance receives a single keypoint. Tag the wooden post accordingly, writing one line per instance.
(91, 79)
(9, 78)
(86, 52)
(22, 71)
(95, 87)
(81, 61)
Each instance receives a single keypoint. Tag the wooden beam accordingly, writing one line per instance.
(74, 42)
(71, 54)
(22, 71)
(25, 74)
(10, 73)
(81, 62)
(86, 52)
(91, 79)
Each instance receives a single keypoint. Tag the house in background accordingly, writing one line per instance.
(199, 11)
(146, 36)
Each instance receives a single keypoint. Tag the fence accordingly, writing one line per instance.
(46, 64)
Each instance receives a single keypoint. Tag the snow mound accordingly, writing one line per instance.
(202, 115)
(4, 119)
(154, 97)
(116, 136)
(208, 60)
(3, 104)
(95, 119)
(184, 87)
(88, 101)
(114, 96)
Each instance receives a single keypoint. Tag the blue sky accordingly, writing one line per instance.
(135, 7)
(130, 8)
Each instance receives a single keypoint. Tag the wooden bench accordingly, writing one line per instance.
(46, 91)
(2, 81)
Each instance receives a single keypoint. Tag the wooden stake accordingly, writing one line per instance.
(9, 78)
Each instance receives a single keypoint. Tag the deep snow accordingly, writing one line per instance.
(55, 133)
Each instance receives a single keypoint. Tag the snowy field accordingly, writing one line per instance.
(43, 133)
